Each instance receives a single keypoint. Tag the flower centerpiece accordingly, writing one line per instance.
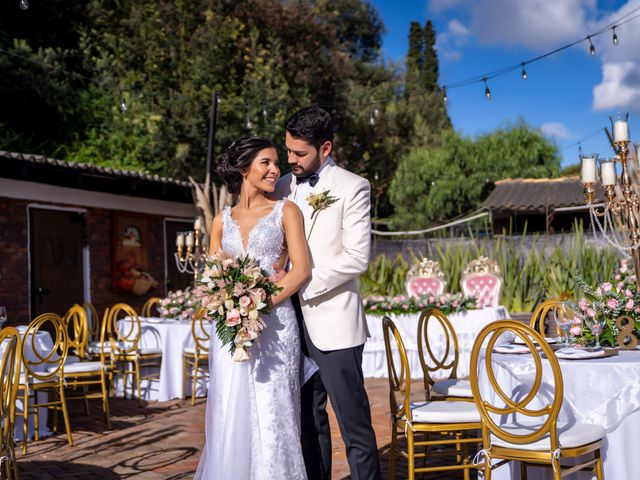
(609, 302)
(449, 303)
(179, 304)
(236, 293)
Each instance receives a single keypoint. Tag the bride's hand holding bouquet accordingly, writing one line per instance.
(236, 293)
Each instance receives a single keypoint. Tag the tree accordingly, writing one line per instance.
(437, 184)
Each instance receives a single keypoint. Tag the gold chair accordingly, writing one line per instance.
(196, 358)
(450, 421)
(124, 349)
(81, 373)
(9, 380)
(44, 373)
(450, 388)
(543, 309)
(148, 306)
(531, 436)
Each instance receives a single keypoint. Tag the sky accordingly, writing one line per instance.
(569, 95)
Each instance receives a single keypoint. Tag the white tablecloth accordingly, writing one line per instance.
(603, 391)
(172, 336)
(467, 325)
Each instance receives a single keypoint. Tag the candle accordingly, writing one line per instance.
(608, 172)
(620, 131)
(198, 224)
(588, 168)
(180, 240)
(189, 239)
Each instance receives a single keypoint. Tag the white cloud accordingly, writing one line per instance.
(439, 6)
(556, 130)
(449, 42)
(457, 29)
(620, 87)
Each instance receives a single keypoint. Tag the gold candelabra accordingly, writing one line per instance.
(621, 200)
(190, 255)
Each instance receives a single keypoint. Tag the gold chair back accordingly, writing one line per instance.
(9, 380)
(94, 320)
(449, 358)
(520, 408)
(542, 310)
(147, 308)
(77, 325)
(399, 374)
(201, 326)
(123, 340)
(46, 363)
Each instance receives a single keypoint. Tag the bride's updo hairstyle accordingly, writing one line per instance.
(238, 158)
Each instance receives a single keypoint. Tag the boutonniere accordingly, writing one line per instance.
(319, 202)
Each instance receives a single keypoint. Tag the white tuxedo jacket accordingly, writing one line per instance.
(339, 242)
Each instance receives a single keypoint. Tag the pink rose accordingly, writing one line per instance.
(606, 286)
(431, 299)
(405, 306)
(221, 284)
(612, 303)
(233, 318)
(238, 289)
(575, 330)
(374, 307)
(617, 277)
(629, 305)
(455, 304)
(245, 301)
(599, 291)
(582, 304)
(628, 293)
(591, 312)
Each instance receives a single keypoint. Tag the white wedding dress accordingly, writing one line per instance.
(253, 409)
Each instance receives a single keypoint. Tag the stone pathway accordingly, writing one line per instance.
(163, 441)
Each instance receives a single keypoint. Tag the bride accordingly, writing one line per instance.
(253, 408)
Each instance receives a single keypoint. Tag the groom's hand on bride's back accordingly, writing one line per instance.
(278, 273)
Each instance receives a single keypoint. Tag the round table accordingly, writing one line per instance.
(603, 391)
(172, 336)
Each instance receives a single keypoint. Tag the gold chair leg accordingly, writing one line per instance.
(137, 374)
(65, 415)
(195, 380)
(25, 426)
(105, 401)
(392, 450)
(85, 388)
(598, 467)
(411, 452)
(184, 377)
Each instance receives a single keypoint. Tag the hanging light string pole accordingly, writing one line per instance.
(621, 201)
(215, 99)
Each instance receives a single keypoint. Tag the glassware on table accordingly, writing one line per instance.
(595, 325)
(564, 316)
(3, 315)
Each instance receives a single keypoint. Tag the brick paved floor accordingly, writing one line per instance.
(162, 441)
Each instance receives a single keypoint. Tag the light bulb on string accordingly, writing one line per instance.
(444, 94)
(248, 123)
(264, 114)
(524, 72)
(373, 117)
(487, 91)
(592, 47)
(24, 4)
(123, 103)
(615, 36)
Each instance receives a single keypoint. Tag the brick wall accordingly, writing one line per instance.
(14, 259)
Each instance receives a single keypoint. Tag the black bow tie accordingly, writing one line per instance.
(312, 179)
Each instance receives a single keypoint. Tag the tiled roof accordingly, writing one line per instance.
(537, 194)
(90, 168)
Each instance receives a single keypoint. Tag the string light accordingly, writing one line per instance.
(24, 5)
(248, 123)
(373, 117)
(524, 72)
(487, 91)
(123, 103)
(615, 36)
(592, 47)
(264, 114)
(444, 94)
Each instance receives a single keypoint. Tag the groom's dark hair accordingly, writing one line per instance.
(311, 123)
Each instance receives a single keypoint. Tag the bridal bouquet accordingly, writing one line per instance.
(235, 292)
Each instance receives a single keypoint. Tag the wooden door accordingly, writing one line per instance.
(175, 280)
(57, 274)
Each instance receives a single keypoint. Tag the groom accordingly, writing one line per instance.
(329, 307)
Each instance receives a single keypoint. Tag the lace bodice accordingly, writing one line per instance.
(265, 240)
